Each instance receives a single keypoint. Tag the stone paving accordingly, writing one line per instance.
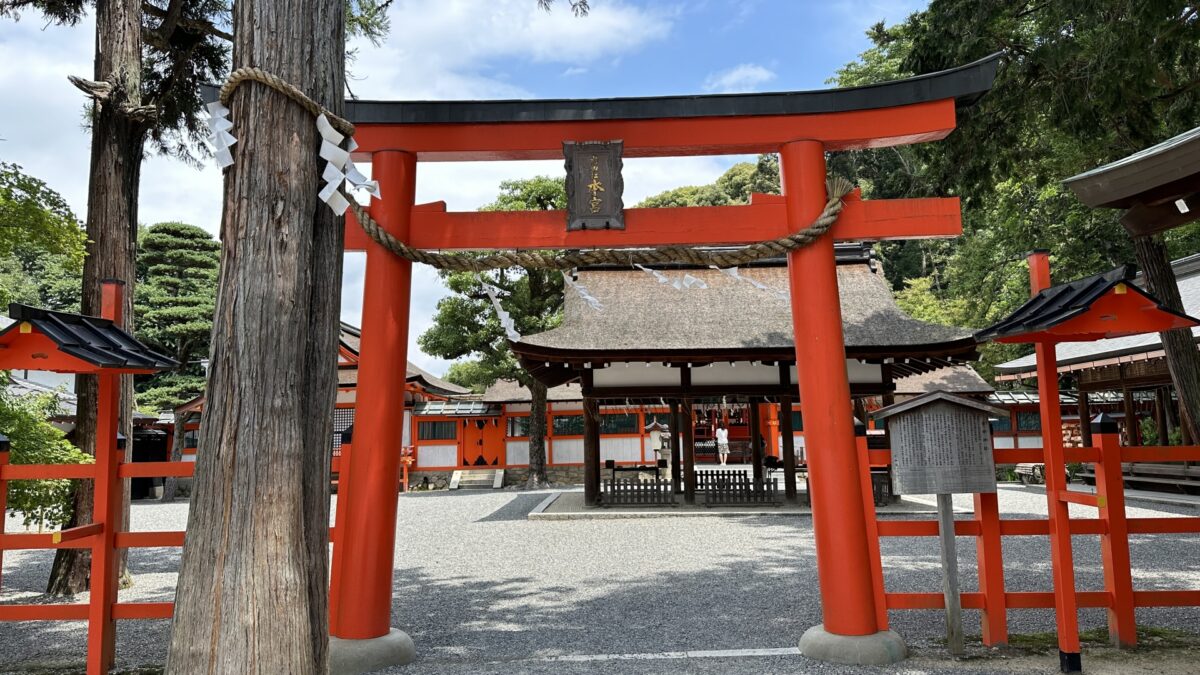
(483, 589)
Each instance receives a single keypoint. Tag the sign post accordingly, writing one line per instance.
(942, 445)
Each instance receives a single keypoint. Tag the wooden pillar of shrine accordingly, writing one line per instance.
(591, 451)
(789, 448)
(676, 449)
(756, 442)
(689, 451)
(1085, 416)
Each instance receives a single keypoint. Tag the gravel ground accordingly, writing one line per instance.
(482, 589)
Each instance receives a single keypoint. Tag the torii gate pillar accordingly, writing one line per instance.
(851, 632)
(363, 556)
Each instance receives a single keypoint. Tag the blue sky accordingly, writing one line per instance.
(467, 49)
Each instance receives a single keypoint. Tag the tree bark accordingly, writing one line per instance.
(537, 435)
(253, 584)
(171, 484)
(115, 169)
(1183, 359)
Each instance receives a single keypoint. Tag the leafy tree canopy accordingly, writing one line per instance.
(733, 187)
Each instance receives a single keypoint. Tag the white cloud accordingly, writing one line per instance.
(449, 49)
(740, 78)
(574, 71)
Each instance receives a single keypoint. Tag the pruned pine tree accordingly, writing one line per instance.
(177, 292)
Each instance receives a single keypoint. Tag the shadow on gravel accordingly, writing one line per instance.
(517, 509)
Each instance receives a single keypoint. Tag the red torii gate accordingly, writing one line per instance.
(801, 127)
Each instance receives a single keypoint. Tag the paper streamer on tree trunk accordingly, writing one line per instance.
(219, 137)
(582, 290)
(506, 322)
(340, 168)
(734, 273)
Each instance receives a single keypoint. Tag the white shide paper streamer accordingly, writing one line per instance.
(219, 137)
(733, 272)
(582, 290)
(506, 322)
(340, 168)
(684, 282)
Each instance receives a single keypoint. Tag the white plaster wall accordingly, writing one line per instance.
(635, 374)
(621, 449)
(1029, 441)
(516, 452)
(568, 451)
(516, 407)
(437, 455)
(560, 407)
(1002, 442)
(740, 373)
(856, 372)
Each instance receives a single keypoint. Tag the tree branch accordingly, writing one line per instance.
(100, 92)
(194, 25)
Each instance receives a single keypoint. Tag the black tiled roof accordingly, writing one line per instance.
(89, 338)
(1062, 302)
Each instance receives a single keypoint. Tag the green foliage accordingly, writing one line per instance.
(44, 503)
(466, 325)
(470, 374)
(733, 187)
(1079, 85)
(176, 297)
(41, 243)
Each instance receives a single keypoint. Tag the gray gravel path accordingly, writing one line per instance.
(482, 589)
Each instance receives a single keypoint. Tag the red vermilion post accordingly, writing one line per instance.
(339, 531)
(1061, 556)
(868, 492)
(364, 567)
(990, 555)
(1114, 541)
(848, 597)
(106, 510)
(3, 506)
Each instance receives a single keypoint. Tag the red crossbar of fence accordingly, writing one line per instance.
(101, 630)
(1111, 525)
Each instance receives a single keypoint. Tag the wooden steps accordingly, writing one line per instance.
(477, 479)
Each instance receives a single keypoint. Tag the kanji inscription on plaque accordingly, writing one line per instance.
(594, 185)
(942, 445)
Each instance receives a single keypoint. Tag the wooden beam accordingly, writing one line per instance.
(434, 228)
(1146, 219)
(707, 390)
(665, 136)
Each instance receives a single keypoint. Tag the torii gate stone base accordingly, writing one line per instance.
(802, 127)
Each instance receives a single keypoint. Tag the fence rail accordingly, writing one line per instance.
(636, 491)
(734, 488)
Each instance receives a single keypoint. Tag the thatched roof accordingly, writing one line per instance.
(956, 379)
(511, 391)
(642, 315)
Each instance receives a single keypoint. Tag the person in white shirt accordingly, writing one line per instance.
(722, 443)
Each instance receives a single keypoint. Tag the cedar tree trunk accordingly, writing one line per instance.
(537, 435)
(171, 484)
(253, 583)
(1183, 359)
(115, 169)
